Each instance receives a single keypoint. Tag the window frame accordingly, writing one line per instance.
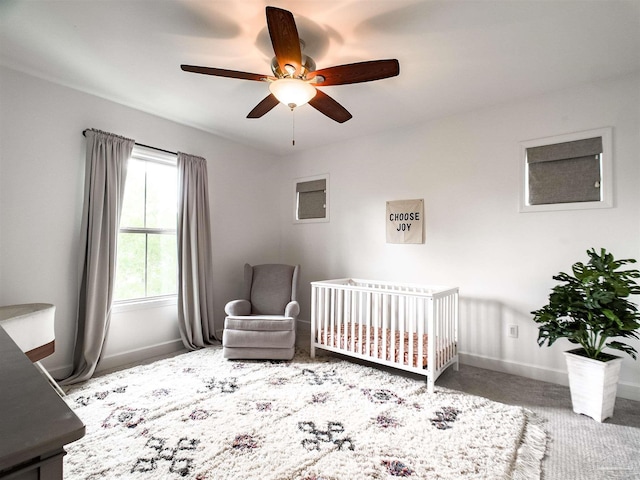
(606, 172)
(325, 219)
(150, 155)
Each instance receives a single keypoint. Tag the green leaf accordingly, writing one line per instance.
(623, 348)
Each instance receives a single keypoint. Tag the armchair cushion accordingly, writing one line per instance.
(271, 289)
(260, 323)
(239, 341)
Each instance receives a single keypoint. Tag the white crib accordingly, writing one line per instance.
(410, 327)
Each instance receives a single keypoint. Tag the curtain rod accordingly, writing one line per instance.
(84, 134)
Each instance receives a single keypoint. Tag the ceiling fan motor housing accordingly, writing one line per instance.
(308, 65)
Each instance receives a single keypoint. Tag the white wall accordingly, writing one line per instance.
(41, 188)
(466, 168)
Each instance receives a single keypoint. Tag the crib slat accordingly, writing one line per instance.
(361, 304)
(440, 345)
(442, 334)
(332, 315)
(334, 312)
(366, 334)
(314, 319)
(450, 329)
(322, 316)
(346, 319)
(376, 323)
(354, 320)
(394, 320)
(414, 361)
(338, 315)
(439, 333)
(450, 335)
(431, 350)
(420, 321)
(385, 324)
(402, 301)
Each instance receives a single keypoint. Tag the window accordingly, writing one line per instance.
(147, 263)
(311, 199)
(567, 172)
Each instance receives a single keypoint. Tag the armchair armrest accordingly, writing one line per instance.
(292, 309)
(238, 308)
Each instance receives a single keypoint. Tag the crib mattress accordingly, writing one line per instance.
(343, 334)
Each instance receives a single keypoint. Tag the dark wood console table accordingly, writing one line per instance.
(35, 423)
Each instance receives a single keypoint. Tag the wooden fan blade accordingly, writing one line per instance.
(357, 72)
(221, 72)
(328, 106)
(284, 38)
(263, 107)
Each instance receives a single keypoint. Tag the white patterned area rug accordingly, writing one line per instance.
(200, 416)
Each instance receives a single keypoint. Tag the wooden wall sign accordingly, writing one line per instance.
(405, 221)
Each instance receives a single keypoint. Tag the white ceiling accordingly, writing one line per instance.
(454, 56)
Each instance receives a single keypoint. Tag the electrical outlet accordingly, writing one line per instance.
(513, 331)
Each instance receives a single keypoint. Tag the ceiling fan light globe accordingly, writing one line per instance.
(292, 91)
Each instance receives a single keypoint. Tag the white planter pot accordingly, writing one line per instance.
(593, 385)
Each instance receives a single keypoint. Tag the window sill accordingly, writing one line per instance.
(555, 207)
(144, 303)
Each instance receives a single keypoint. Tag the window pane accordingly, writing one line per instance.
(130, 266)
(133, 204)
(147, 261)
(162, 265)
(162, 196)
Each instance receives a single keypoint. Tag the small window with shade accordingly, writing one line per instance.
(567, 172)
(311, 199)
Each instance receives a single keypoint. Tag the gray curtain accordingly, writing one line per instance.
(105, 175)
(195, 272)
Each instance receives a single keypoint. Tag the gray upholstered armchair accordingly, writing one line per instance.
(262, 325)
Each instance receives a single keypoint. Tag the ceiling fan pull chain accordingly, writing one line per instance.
(293, 127)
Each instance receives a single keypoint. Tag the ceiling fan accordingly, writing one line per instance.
(295, 79)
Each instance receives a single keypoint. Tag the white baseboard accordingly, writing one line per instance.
(628, 391)
(58, 373)
(139, 354)
(125, 358)
(625, 390)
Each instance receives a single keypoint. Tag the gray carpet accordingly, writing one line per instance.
(579, 447)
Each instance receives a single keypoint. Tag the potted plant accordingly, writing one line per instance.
(590, 308)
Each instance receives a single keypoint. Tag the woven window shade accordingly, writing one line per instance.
(312, 199)
(565, 172)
